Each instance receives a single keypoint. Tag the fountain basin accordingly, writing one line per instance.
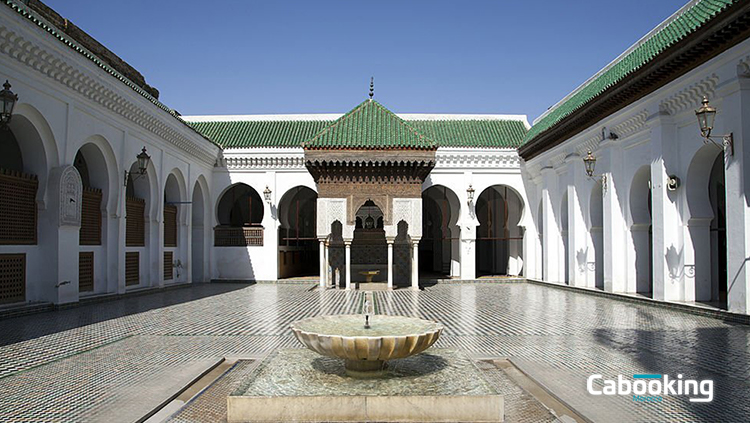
(366, 351)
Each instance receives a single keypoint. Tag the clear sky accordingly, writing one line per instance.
(461, 56)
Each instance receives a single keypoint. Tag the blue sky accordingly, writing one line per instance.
(247, 57)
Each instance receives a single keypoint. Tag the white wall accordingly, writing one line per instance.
(661, 133)
(67, 101)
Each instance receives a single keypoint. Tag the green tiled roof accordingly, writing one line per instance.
(685, 22)
(476, 132)
(368, 126)
(483, 133)
(260, 133)
(42, 23)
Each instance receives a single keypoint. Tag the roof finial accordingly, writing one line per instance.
(372, 87)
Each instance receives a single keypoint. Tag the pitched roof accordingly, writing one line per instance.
(369, 126)
(260, 133)
(37, 19)
(483, 133)
(256, 131)
(684, 22)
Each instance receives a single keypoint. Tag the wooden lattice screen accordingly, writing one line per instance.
(132, 268)
(168, 257)
(225, 236)
(135, 228)
(12, 278)
(86, 271)
(17, 208)
(91, 217)
(170, 225)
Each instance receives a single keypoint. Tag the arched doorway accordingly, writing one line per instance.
(718, 229)
(174, 240)
(138, 210)
(499, 241)
(298, 243)
(706, 257)
(439, 247)
(198, 231)
(641, 230)
(596, 233)
(92, 166)
(240, 215)
(564, 238)
(19, 186)
(369, 248)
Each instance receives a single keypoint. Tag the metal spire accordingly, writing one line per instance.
(372, 87)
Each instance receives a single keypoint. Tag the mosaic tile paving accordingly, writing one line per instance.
(74, 364)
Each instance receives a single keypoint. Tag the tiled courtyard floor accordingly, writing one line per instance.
(92, 362)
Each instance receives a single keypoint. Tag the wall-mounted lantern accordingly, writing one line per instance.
(589, 163)
(9, 100)
(706, 115)
(143, 160)
(470, 193)
(267, 194)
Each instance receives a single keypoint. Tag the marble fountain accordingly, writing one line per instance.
(366, 367)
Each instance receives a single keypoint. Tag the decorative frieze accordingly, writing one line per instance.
(35, 56)
(630, 125)
(275, 162)
(690, 97)
(477, 158)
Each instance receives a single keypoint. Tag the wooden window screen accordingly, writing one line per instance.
(170, 225)
(17, 208)
(168, 257)
(86, 271)
(135, 224)
(225, 236)
(132, 268)
(12, 278)
(91, 217)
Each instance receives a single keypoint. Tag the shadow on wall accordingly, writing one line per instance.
(581, 257)
(238, 238)
(674, 262)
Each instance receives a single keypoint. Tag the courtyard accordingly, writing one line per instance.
(118, 360)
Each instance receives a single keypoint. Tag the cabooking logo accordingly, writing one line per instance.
(653, 387)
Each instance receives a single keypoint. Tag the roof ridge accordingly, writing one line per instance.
(491, 133)
(653, 32)
(674, 29)
(361, 108)
(41, 22)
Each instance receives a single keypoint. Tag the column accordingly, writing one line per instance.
(415, 264)
(667, 254)
(330, 279)
(577, 231)
(390, 264)
(348, 264)
(323, 266)
(615, 227)
(734, 116)
(551, 236)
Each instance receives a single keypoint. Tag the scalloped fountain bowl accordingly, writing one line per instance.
(366, 350)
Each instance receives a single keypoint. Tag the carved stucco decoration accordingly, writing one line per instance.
(329, 211)
(410, 211)
(69, 190)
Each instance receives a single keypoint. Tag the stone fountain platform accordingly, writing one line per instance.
(438, 385)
